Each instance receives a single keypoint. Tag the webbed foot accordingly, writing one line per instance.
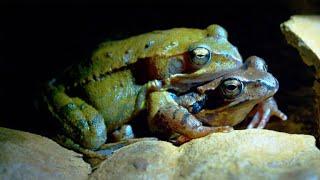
(263, 113)
(123, 133)
(95, 157)
(181, 139)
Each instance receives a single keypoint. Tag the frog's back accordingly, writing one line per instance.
(114, 55)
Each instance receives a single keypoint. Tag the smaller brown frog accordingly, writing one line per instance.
(218, 105)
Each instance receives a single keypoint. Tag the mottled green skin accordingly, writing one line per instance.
(103, 93)
(114, 97)
(158, 46)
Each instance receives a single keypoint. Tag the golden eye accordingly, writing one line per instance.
(199, 56)
(231, 88)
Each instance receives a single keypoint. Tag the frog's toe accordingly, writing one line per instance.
(280, 114)
(223, 129)
(264, 119)
(123, 133)
(179, 140)
(83, 124)
(260, 118)
(263, 113)
(271, 112)
(154, 85)
(95, 135)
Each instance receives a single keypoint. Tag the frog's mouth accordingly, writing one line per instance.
(182, 83)
(215, 101)
(182, 90)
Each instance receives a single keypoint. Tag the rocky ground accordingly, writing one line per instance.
(30, 156)
(241, 154)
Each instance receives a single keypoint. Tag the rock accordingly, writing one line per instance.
(316, 88)
(29, 156)
(303, 33)
(241, 154)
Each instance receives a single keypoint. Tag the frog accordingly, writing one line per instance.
(102, 93)
(218, 105)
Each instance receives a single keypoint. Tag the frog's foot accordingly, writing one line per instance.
(177, 139)
(181, 139)
(166, 117)
(95, 157)
(178, 119)
(106, 150)
(110, 148)
(123, 133)
(149, 87)
(70, 144)
(155, 85)
(263, 113)
(80, 121)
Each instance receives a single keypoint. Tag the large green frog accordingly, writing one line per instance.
(104, 92)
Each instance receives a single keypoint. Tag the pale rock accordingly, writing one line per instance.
(241, 154)
(303, 32)
(29, 156)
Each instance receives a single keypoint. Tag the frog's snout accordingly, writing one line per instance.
(270, 82)
(277, 84)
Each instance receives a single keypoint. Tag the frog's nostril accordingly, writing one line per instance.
(273, 83)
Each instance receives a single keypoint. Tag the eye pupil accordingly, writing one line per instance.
(199, 56)
(231, 87)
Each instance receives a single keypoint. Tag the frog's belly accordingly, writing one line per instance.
(114, 96)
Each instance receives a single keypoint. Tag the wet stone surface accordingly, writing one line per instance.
(241, 154)
(29, 156)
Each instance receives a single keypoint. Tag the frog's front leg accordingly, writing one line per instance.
(264, 111)
(81, 122)
(167, 116)
(179, 120)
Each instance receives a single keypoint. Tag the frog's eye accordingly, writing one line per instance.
(231, 88)
(199, 56)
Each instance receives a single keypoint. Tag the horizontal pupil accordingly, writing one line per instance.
(231, 87)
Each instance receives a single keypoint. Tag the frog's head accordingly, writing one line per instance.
(231, 97)
(214, 53)
(207, 59)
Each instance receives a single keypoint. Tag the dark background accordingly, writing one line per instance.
(40, 39)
